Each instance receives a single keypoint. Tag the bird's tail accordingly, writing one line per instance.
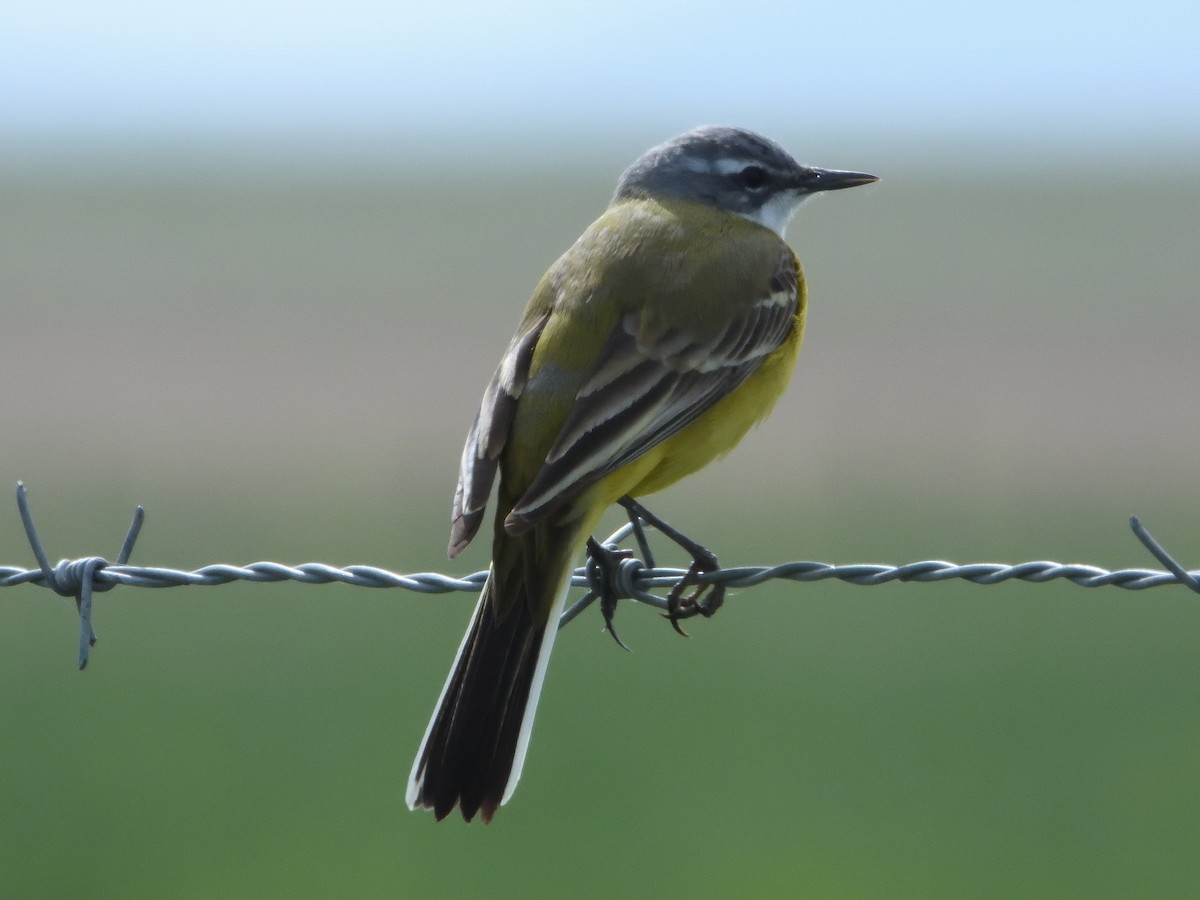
(474, 747)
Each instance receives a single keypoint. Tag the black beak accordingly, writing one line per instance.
(810, 181)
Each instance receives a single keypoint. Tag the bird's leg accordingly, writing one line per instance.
(607, 559)
(704, 560)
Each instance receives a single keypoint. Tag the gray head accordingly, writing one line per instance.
(731, 169)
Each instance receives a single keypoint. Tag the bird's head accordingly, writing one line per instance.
(732, 169)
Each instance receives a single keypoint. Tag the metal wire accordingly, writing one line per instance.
(632, 578)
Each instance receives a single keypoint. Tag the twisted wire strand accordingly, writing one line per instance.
(632, 578)
(646, 579)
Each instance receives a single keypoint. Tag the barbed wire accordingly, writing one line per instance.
(629, 578)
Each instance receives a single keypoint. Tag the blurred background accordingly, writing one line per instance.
(257, 262)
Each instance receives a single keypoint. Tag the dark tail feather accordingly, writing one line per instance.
(475, 744)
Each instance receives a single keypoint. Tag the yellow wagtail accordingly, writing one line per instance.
(649, 348)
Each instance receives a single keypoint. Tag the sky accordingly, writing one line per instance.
(477, 78)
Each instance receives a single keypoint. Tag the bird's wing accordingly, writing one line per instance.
(481, 453)
(649, 383)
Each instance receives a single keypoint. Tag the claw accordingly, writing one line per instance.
(695, 603)
(606, 560)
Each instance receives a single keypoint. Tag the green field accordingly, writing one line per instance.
(284, 368)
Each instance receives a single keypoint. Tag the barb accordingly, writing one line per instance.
(632, 579)
(75, 577)
(1160, 553)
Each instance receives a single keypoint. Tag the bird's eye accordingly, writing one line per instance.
(753, 178)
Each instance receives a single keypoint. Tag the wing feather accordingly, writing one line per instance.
(489, 432)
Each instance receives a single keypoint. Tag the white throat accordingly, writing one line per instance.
(777, 212)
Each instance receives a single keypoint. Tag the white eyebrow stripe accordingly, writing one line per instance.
(729, 166)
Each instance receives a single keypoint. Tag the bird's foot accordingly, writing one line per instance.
(704, 600)
(606, 560)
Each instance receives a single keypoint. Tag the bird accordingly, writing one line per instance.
(648, 349)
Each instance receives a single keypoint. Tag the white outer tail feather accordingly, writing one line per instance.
(416, 777)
